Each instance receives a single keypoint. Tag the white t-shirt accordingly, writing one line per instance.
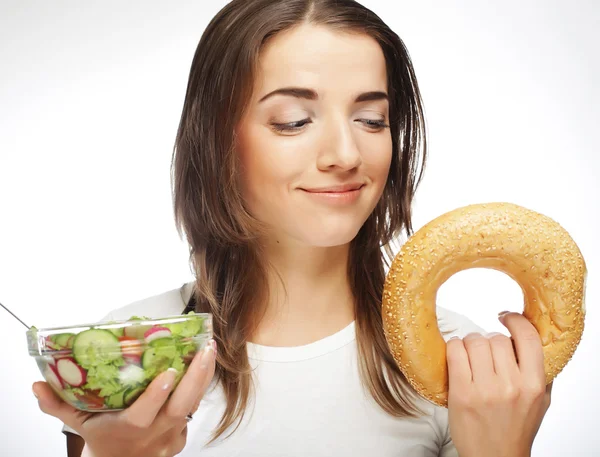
(309, 401)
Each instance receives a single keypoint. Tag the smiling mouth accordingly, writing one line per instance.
(335, 189)
(336, 196)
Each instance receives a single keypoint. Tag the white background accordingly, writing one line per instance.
(90, 98)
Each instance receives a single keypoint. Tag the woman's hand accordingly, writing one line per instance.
(153, 426)
(495, 403)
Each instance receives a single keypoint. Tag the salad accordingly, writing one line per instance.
(106, 367)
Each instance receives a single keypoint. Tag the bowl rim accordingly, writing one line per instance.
(120, 323)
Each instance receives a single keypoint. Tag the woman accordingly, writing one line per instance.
(298, 154)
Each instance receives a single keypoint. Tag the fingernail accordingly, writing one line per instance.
(34, 393)
(208, 349)
(454, 338)
(169, 378)
(492, 334)
(502, 314)
(214, 346)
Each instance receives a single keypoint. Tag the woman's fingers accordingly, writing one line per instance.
(190, 388)
(50, 404)
(207, 381)
(144, 410)
(503, 353)
(459, 369)
(527, 345)
(480, 357)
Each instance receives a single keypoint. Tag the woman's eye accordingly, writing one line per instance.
(375, 124)
(290, 126)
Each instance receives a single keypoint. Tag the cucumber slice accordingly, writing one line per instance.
(62, 339)
(155, 361)
(159, 355)
(132, 395)
(162, 342)
(116, 401)
(96, 347)
(117, 331)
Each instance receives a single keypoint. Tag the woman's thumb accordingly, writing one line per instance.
(52, 405)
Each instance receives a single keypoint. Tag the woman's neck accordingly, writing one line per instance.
(316, 301)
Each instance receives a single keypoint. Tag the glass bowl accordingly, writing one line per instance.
(106, 366)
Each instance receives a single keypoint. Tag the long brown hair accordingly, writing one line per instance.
(209, 208)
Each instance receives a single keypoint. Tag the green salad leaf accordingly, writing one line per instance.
(104, 378)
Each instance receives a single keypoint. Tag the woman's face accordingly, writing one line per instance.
(314, 144)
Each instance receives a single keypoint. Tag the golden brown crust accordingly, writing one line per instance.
(531, 248)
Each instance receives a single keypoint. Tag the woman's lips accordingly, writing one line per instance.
(350, 195)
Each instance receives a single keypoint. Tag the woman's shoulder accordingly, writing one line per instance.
(168, 303)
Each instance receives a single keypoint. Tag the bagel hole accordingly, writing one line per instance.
(480, 294)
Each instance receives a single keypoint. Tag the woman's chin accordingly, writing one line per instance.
(330, 238)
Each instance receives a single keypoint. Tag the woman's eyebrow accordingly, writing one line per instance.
(371, 96)
(298, 92)
(310, 94)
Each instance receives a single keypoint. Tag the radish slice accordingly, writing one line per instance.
(53, 378)
(133, 359)
(61, 355)
(50, 360)
(70, 372)
(51, 344)
(155, 333)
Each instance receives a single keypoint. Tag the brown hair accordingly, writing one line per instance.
(209, 208)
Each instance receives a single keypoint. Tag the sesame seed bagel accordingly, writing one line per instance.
(529, 247)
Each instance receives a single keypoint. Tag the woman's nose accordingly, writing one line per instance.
(339, 148)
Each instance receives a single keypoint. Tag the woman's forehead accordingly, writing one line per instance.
(323, 59)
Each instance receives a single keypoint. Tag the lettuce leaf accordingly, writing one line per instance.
(104, 378)
(191, 327)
